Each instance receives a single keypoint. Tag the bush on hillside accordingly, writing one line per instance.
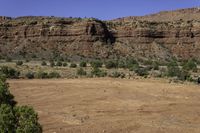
(173, 69)
(190, 65)
(111, 64)
(73, 65)
(96, 64)
(65, 64)
(83, 64)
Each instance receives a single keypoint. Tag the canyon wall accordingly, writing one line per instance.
(139, 37)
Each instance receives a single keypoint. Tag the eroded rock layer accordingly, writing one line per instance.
(140, 37)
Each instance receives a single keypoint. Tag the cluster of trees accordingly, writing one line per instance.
(184, 73)
(13, 118)
(42, 75)
(9, 72)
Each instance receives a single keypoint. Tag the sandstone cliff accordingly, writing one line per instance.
(140, 37)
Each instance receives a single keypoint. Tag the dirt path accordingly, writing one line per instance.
(111, 105)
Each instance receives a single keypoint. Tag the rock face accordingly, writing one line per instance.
(140, 37)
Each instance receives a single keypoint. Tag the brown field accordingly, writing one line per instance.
(111, 105)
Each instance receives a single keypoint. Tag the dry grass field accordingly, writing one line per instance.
(111, 105)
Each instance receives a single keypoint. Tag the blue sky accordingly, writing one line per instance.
(102, 9)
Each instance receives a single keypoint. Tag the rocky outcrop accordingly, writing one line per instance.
(51, 37)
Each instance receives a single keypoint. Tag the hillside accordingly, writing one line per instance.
(158, 36)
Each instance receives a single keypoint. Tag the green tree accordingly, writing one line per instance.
(27, 120)
(173, 69)
(9, 72)
(7, 119)
(5, 96)
(15, 119)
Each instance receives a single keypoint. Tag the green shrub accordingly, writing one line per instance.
(83, 64)
(43, 63)
(190, 65)
(121, 64)
(59, 63)
(133, 67)
(81, 72)
(65, 64)
(96, 64)
(54, 75)
(73, 65)
(42, 75)
(30, 75)
(141, 71)
(111, 64)
(155, 65)
(131, 64)
(98, 72)
(19, 63)
(173, 69)
(9, 72)
(5, 95)
(27, 120)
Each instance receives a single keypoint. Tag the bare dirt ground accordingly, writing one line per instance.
(111, 105)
